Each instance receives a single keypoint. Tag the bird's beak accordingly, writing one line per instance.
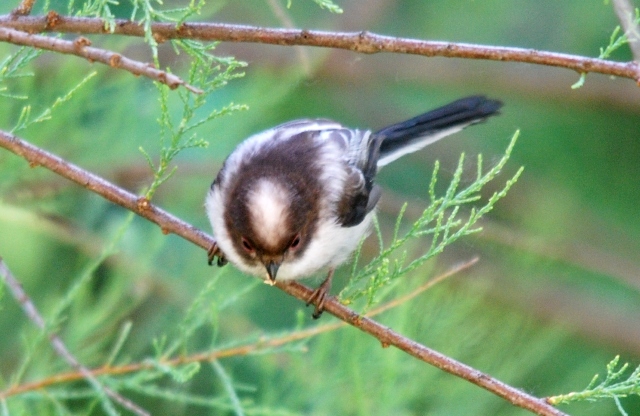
(272, 270)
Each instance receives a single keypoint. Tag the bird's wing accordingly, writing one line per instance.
(361, 152)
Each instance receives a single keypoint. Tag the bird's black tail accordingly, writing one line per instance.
(414, 134)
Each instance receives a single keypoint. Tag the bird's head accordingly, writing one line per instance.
(271, 222)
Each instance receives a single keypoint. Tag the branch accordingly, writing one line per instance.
(141, 206)
(168, 223)
(80, 47)
(58, 345)
(360, 42)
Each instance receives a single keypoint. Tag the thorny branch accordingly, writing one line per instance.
(81, 47)
(56, 342)
(168, 223)
(361, 42)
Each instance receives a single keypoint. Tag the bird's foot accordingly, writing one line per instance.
(213, 252)
(319, 296)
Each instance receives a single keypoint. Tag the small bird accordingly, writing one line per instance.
(297, 199)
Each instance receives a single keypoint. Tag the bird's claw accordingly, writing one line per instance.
(213, 252)
(320, 295)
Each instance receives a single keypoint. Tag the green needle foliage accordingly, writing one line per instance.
(25, 119)
(616, 40)
(13, 67)
(209, 73)
(614, 386)
(442, 221)
(96, 8)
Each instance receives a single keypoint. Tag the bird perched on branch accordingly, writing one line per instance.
(297, 199)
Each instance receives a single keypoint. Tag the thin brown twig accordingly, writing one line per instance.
(168, 223)
(24, 8)
(80, 47)
(57, 344)
(261, 345)
(360, 42)
(626, 15)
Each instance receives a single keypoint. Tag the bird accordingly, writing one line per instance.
(296, 200)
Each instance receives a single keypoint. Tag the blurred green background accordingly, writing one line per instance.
(554, 297)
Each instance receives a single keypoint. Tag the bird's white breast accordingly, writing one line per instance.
(332, 245)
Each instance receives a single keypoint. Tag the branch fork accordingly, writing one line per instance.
(81, 47)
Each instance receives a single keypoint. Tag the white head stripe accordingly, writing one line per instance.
(268, 204)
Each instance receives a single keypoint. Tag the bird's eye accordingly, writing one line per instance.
(296, 242)
(248, 247)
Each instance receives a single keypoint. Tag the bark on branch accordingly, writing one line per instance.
(360, 42)
(81, 47)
